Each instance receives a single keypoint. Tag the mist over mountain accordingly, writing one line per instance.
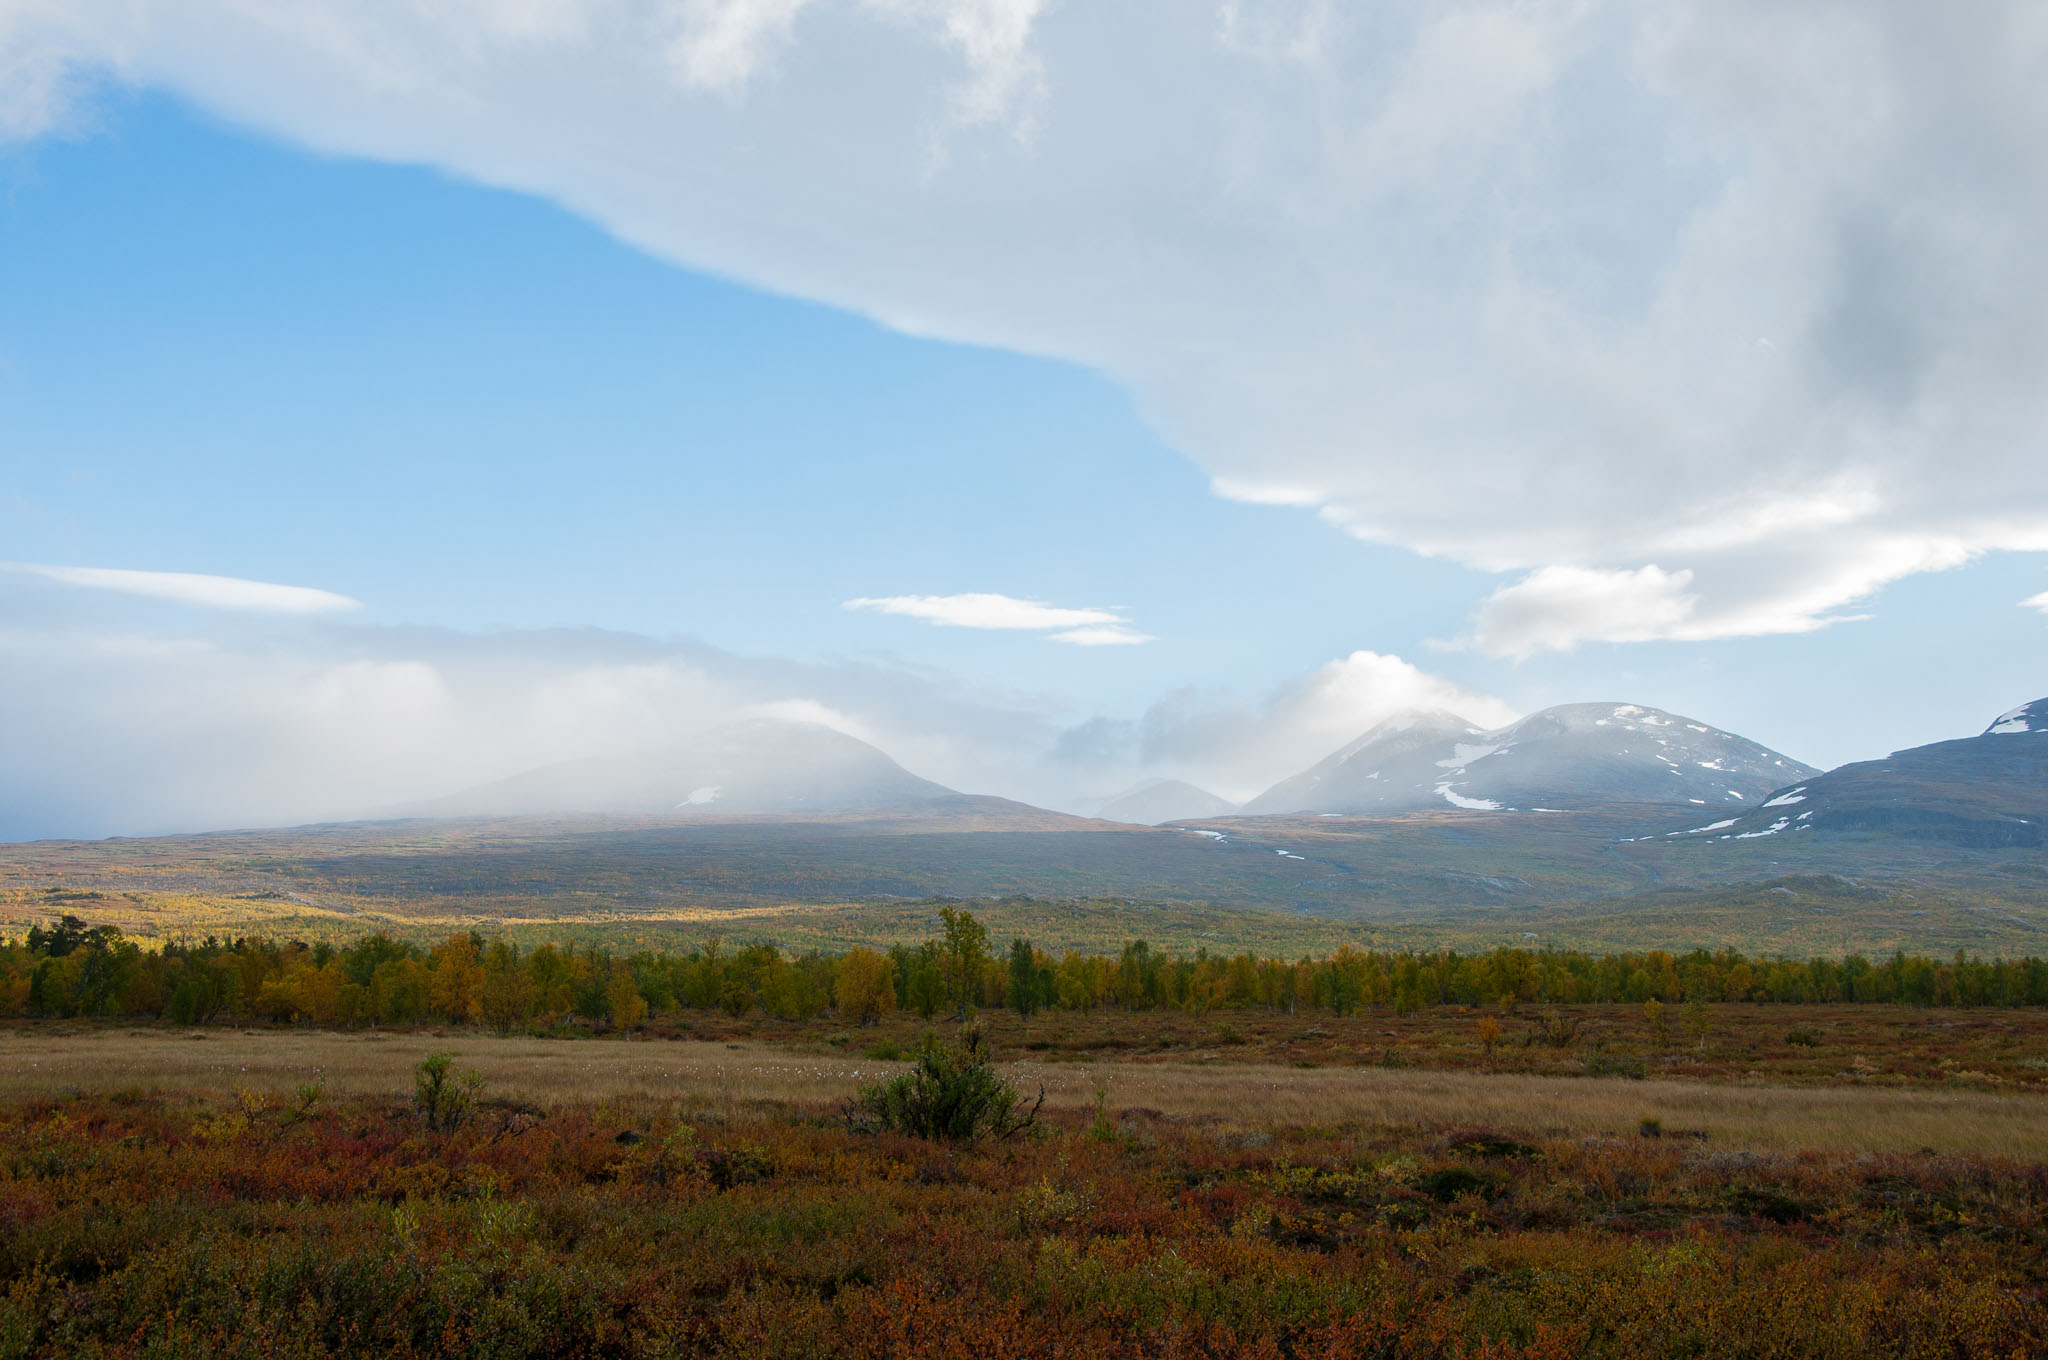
(1164, 800)
(1985, 792)
(1565, 757)
(755, 767)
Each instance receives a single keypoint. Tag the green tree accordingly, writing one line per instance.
(1698, 1020)
(962, 955)
(1023, 977)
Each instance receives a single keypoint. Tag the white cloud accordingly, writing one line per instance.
(118, 728)
(1714, 285)
(180, 587)
(1559, 607)
(723, 42)
(1265, 493)
(1111, 635)
(816, 714)
(1238, 748)
(1759, 592)
(2039, 602)
(1083, 627)
(110, 732)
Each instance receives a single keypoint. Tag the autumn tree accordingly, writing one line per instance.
(864, 988)
(624, 1007)
(505, 996)
(455, 979)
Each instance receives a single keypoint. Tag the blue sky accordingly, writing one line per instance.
(529, 422)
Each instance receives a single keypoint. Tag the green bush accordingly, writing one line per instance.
(953, 1092)
(442, 1096)
(1608, 1065)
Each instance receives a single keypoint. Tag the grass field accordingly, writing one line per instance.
(730, 1079)
(166, 1192)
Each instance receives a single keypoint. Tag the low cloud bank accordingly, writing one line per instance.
(122, 723)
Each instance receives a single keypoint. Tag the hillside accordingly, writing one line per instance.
(1569, 757)
(1164, 800)
(1985, 792)
(753, 767)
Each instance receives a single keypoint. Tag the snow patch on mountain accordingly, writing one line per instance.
(1570, 756)
(2026, 718)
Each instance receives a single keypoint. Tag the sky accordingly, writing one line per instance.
(395, 396)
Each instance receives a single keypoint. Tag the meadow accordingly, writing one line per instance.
(259, 1147)
(281, 1192)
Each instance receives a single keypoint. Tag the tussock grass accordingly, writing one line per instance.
(743, 1078)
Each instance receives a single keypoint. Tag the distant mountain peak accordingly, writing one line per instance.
(1570, 755)
(1414, 725)
(1164, 800)
(757, 765)
(1983, 792)
(2024, 719)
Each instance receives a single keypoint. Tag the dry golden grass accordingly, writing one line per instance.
(742, 1078)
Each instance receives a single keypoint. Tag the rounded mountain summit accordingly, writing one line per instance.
(1566, 757)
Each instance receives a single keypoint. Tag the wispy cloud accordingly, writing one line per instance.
(1089, 627)
(192, 588)
(2039, 602)
(1108, 635)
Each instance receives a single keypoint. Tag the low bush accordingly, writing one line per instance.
(442, 1096)
(953, 1092)
(1609, 1065)
(590, 1231)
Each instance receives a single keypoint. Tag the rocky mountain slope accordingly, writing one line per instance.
(1571, 756)
(1985, 792)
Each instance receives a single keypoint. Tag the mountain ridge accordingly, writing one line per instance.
(1563, 756)
(1156, 801)
(761, 766)
(1989, 791)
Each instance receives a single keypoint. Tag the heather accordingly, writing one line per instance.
(302, 1224)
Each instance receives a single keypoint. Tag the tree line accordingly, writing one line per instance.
(72, 969)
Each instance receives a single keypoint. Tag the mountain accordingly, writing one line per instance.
(1985, 792)
(753, 767)
(1565, 757)
(1164, 800)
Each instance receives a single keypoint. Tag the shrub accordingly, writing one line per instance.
(952, 1092)
(1555, 1030)
(1803, 1036)
(1101, 1128)
(738, 1166)
(1450, 1182)
(442, 1096)
(1607, 1065)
